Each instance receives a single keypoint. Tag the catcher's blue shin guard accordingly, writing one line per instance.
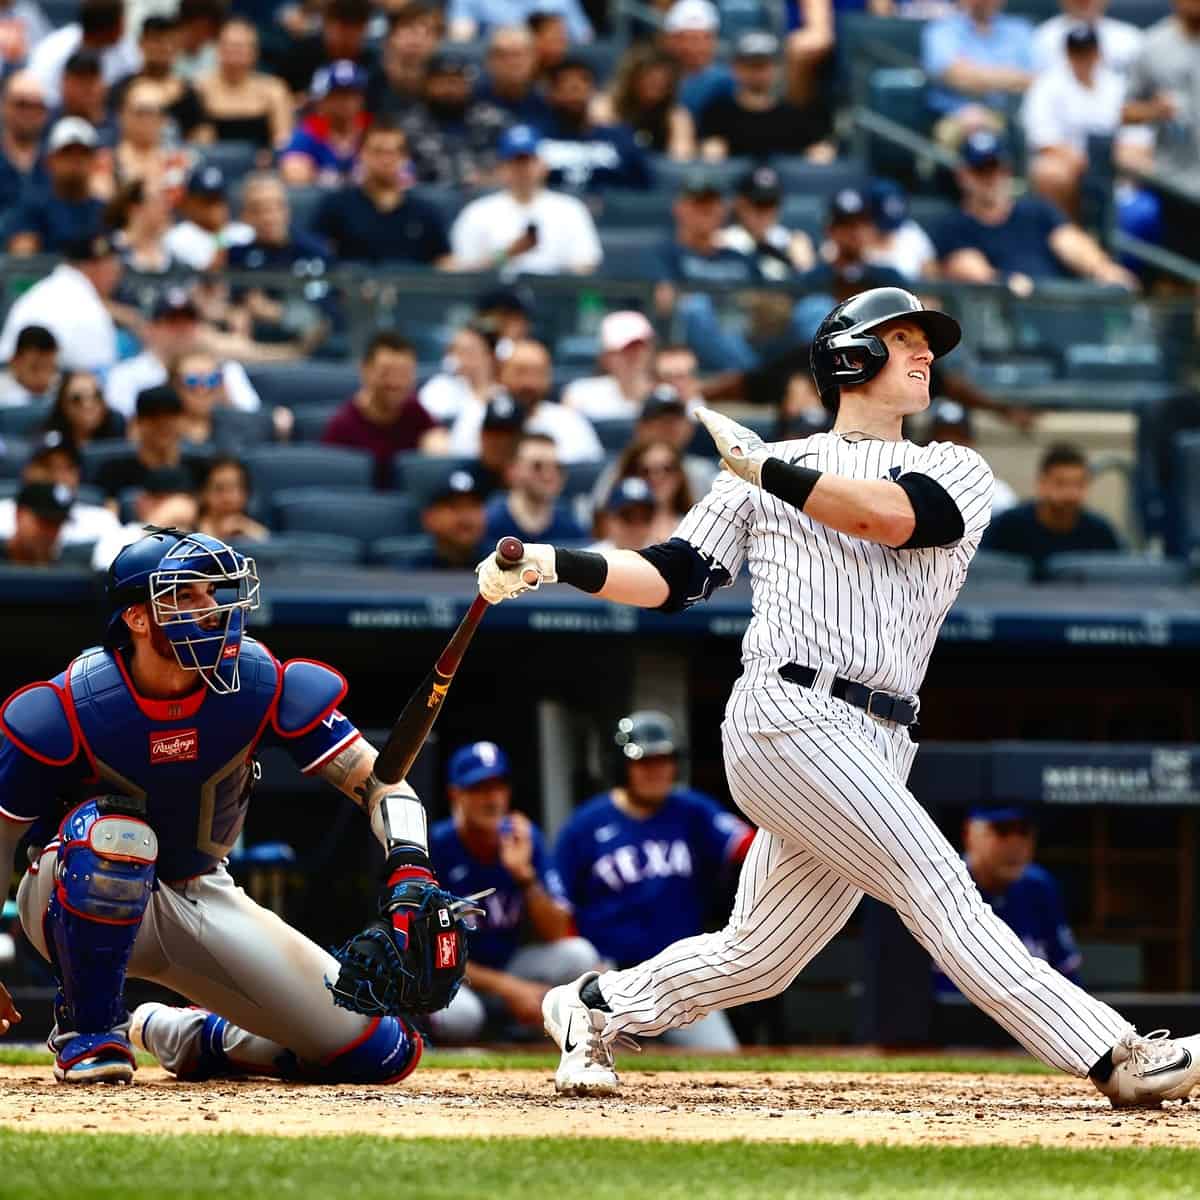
(104, 876)
(387, 1051)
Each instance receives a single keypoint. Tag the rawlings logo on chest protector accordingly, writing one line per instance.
(174, 745)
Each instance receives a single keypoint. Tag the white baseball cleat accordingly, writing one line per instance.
(587, 1066)
(1151, 1069)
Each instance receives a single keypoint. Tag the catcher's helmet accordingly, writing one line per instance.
(848, 328)
(645, 734)
(152, 571)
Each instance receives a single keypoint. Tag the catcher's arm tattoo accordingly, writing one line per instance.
(396, 814)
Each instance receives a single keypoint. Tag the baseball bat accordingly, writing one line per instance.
(414, 723)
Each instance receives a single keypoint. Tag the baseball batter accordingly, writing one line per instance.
(149, 741)
(856, 543)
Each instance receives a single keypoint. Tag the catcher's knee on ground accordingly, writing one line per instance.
(555, 962)
(462, 1020)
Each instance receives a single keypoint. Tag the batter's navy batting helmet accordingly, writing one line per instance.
(645, 734)
(844, 350)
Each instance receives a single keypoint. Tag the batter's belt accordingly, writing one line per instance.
(884, 705)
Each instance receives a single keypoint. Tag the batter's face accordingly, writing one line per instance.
(903, 384)
(482, 807)
(999, 851)
(651, 779)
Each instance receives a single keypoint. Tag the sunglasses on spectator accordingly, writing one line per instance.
(542, 464)
(83, 396)
(145, 110)
(658, 469)
(211, 379)
(29, 102)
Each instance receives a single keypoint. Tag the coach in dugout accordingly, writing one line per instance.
(484, 844)
(641, 863)
(998, 846)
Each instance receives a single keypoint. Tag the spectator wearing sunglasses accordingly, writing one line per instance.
(200, 384)
(531, 509)
(80, 413)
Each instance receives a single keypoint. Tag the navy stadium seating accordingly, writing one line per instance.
(24, 420)
(419, 475)
(1127, 570)
(356, 515)
(400, 551)
(301, 383)
(991, 566)
(290, 549)
(274, 468)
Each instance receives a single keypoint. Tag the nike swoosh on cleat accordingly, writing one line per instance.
(569, 1045)
(1184, 1062)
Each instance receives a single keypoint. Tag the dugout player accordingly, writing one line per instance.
(998, 846)
(640, 861)
(147, 743)
(857, 542)
(485, 845)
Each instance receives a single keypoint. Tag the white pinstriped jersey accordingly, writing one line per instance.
(824, 598)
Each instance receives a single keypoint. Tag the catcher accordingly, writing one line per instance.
(148, 744)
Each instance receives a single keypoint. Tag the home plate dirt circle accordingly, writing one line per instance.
(900, 1109)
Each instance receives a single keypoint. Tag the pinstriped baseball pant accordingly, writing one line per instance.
(825, 784)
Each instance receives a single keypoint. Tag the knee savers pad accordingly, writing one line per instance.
(106, 866)
(387, 1052)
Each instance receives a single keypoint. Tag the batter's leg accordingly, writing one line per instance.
(789, 904)
(834, 784)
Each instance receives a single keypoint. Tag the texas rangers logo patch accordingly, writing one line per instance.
(174, 745)
(447, 950)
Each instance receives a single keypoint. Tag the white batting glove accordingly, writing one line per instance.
(498, 583)
(741, 449)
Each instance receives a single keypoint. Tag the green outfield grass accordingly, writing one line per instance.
(77, 1166)
(969, 1064)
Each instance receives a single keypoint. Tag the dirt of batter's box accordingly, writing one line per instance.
(675, 1106)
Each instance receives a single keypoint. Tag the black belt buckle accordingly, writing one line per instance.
(883, 714)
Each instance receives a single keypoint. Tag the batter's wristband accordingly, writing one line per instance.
(584, 569)
(792, 484)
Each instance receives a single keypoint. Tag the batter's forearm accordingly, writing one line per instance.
(633, 580)
(872, 509)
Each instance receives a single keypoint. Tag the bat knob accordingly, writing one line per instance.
(509, 551)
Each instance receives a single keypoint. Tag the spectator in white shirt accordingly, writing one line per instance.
(173, 329)
(32, 370)
(200, 240)
(22, 26)
(1120, 42)
(527, 376)
(101, 27)
(1067, 104)
(626, 357)
(70, 302)
(900, 242)
(468, 375)
(525, 228)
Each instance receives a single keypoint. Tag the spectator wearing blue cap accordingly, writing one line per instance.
(757, 230)
(900, 243)
(452, 135)
(453, 516)
(202, 236)
(626, 520)
(531, 508)
(324, 147)
(975, 58)
(525, 228)
(380, 220)
(995, 238)
(485, 844)
(999, 845)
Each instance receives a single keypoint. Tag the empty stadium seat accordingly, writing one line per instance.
(1133, 363)
(362, 516)
(635, 210)
(14, 452)
(310, 421)
(400, 551)
(274, 468)
(417, 475)
(304, 203)
(1187, 489)
(235, 431)
(576, 349)
(301, 383)
(581, 478)
(615, 433)
(1022, 372)
(236, 159)
(1129, 570)
(299, 548)
(24, 420)
(627, 252)
(991, 566)
(819, 179)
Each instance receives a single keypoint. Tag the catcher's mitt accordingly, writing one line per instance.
(412, 958)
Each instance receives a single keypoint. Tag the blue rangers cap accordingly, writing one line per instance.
(476, 763)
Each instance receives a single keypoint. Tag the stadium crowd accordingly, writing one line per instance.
(152, 161)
